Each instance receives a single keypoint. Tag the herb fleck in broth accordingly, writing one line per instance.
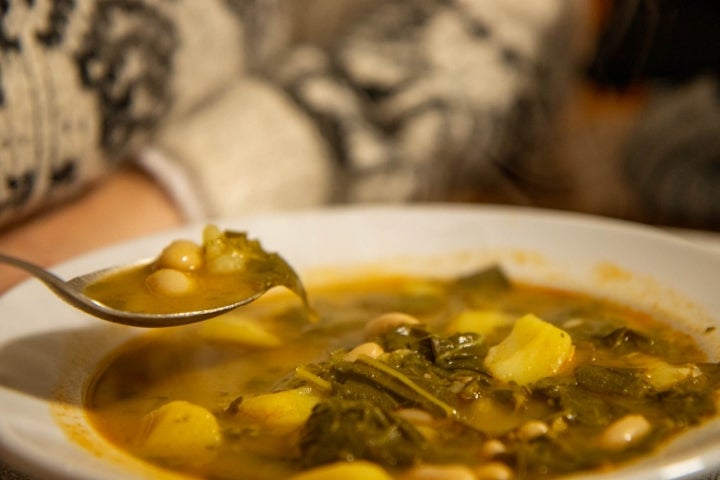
(409, 374)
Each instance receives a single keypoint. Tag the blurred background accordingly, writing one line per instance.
(635, 131)
(638, 136)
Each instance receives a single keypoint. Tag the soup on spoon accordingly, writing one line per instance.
(225, 268)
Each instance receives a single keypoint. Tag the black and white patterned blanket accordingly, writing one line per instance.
(415, 99)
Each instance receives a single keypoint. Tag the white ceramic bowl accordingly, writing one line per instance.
(48, 350)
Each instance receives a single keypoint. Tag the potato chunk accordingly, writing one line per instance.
(236, 328)
(282, 411)
(222, 255)
(178, 432)
(534, 349)
(359, 470)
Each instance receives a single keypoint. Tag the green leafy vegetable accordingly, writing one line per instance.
(265, 269)
(612, 380)
(491, 280)
(443, 375)
(347, 430)
(623, 340)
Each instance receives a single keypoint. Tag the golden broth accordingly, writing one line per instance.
(126, 291)
(226, 268)
(213, 366)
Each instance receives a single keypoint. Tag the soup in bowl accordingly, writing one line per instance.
(449, 343)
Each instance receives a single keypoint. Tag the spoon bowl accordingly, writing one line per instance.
(73, 292)
(227, 271)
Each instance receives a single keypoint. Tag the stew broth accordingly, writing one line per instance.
(448, 390)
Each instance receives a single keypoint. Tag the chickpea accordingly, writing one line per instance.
(388, 321)
(169, 282)
(371, 349)
(181, 255)
(625, 432)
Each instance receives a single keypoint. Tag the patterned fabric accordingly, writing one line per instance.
(425, 98)
(84, 83)
(9, 473)
(415, 100)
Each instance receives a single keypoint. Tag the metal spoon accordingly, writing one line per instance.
(71, 291)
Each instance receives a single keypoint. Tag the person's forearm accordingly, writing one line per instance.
(126, 205)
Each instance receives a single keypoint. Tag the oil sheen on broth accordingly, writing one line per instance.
(472, 377)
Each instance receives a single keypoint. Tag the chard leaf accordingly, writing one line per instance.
(461, 351)
(347, 430)
(624, 340)
(415, 338)
(350, 386)
(688, 402)
(612, 380)
(581, 406)
(490, 280)
(687, 407)
(392, 381)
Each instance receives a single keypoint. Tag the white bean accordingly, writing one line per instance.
(625, 432)
(388, 321)
(371, 349)
(416, 416)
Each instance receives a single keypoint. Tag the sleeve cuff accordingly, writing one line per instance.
(175, 180)
(250, 150)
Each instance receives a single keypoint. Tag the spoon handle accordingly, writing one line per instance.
(58, 286)
(40, 273)
(52, 281)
